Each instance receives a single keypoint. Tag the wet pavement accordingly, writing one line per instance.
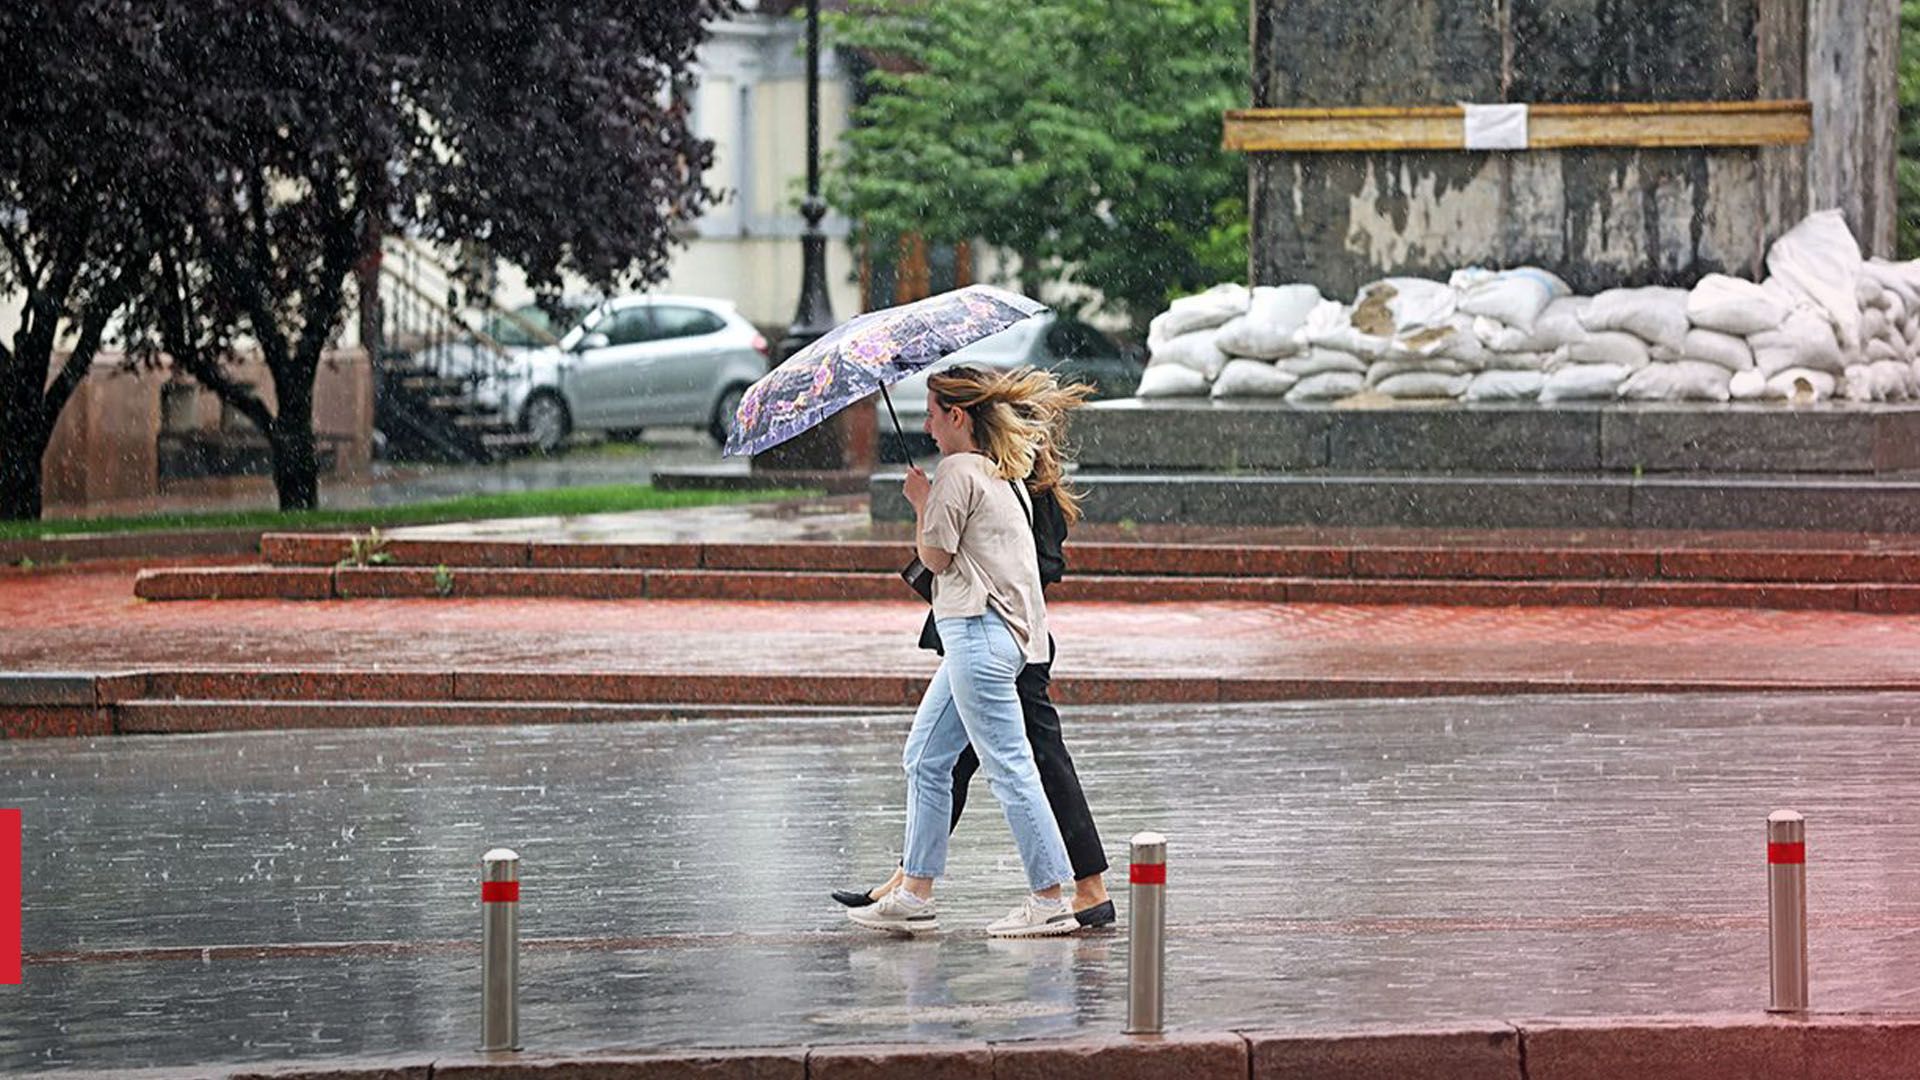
(307, 895)
(91, 622)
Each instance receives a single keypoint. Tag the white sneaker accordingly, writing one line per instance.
(1036, 917)
(898, 912)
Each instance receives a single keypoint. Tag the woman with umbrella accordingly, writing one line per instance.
(973, 524)
(973, 527)
(1055, 508)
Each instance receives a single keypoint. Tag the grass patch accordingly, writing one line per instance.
(559, 502)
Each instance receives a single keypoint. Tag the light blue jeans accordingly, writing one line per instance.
(972, 699)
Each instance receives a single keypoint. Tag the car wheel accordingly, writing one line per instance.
(545, 418)
(721, 425)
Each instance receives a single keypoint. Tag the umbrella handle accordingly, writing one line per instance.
(905, 453)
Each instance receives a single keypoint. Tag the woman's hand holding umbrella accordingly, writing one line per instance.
(916, 488)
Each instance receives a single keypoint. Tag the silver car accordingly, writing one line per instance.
(637, 362)
(1069, 348)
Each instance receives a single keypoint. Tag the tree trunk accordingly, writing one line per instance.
(21, 448)
(296, 464)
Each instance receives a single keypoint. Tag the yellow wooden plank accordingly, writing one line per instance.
(1556, 126)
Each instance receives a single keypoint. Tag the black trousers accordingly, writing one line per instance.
(1062, 784)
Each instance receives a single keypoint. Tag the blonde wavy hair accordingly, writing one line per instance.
(1019, 423)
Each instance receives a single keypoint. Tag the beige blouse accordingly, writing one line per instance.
(978, 518)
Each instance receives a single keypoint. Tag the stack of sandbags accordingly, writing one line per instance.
(1885, 372)
(1626, 331)
(1183, 350)
(1271, 330)
(1417, 342)
(1518, 355)
(1334, 362)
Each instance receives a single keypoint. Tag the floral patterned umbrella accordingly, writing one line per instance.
(864, 354)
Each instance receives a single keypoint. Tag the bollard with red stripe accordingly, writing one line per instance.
(1147, 934)
(499, 950)
(1787, 911)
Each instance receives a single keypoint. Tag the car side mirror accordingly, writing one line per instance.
(590, 342)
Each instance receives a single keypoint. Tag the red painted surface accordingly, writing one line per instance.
(10, 855)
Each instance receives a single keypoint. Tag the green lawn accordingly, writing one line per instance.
(561, 502)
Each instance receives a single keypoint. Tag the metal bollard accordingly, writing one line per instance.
(499, 950)
(1787, 911)
(1147, 935)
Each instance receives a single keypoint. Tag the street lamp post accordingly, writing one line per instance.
(814, 316)
(843, 445)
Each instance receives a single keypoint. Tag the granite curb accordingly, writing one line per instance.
(1815, 1047)
(179, 701)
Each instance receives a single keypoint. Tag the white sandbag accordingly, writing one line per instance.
(1748, 385)
(1611, 347)
(1733, 305)
(1462, 344)
(1330, 326)
(1714, 347)
(1327, 386)
(1515, 361)
(1801, 386)
(1241, 336)
(1656, 314)
(1505, 386)
(1873, 324)
(1804, 340)
(1820, 259)
(1318, 361)
(1868, 292)
(1171, 380)
(1513, 297)
(1253, 379)
(1887, 380)
(1395, 306)
(1583, 382)
(1381, 370)
(1424, 384)
(1893, 381)
(1196, 350)
(1283, 306)
(1685, 380)
(1558, 324)
(1857, 383)
(1202, 311)
(1880, 350)
(1896, 308)
(1661, 354)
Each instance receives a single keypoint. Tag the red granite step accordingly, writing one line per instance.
(1522, 558)
(416, 582)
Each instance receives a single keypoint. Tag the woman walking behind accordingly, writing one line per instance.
(1055, 508)
(972, 521)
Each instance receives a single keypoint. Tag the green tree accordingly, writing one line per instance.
(1083, 135)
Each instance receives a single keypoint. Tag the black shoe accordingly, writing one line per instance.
(865, 899)
(1100, 914)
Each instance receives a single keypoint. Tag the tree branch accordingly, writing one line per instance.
(338, 254)
(93, 325)
(192, 359)
(246, 281)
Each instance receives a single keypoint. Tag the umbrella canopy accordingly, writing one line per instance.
(865, 354)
